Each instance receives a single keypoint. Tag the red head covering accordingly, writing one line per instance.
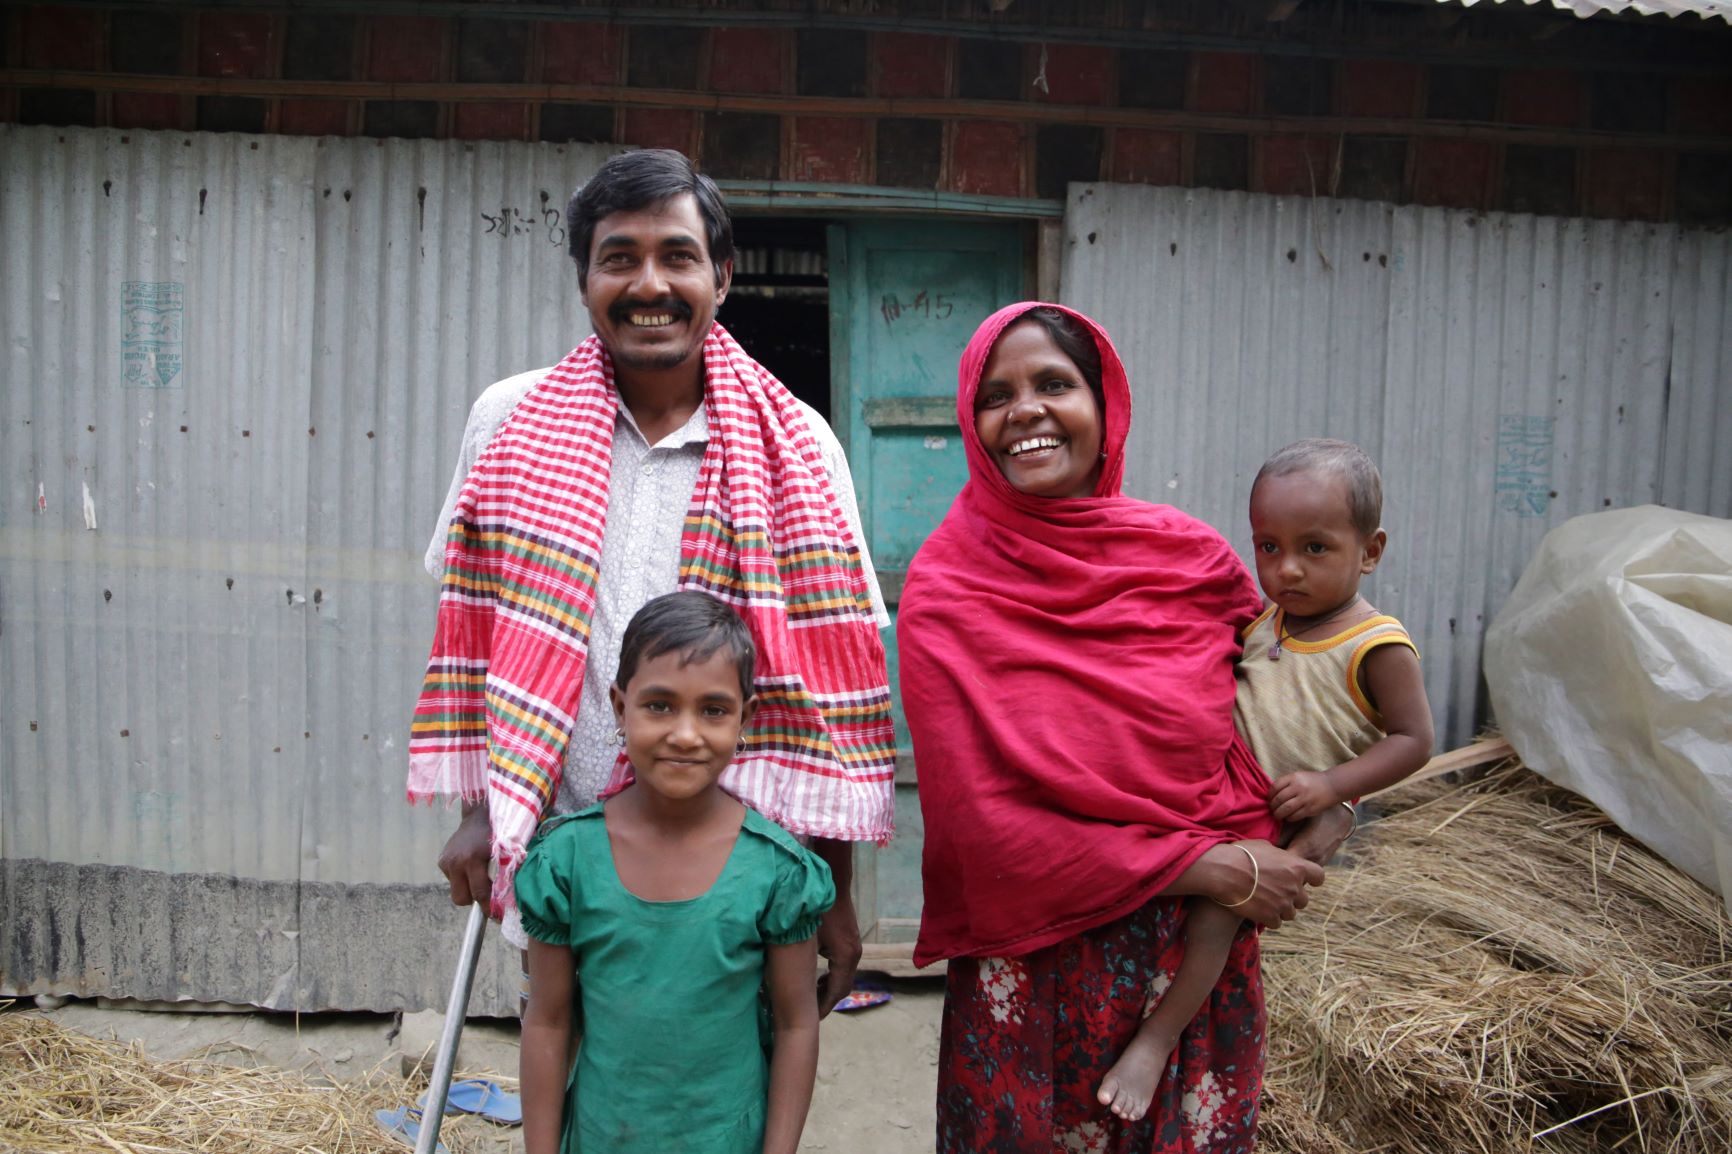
(1067, 671)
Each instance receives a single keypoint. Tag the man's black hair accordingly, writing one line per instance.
(692, 624)
(641, 179)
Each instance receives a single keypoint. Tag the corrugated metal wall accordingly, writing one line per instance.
(1508, 372)
(236, 371)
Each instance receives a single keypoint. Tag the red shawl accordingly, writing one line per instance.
(1067, 672)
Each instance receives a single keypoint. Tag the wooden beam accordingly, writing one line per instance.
(1706, 58)
(927, 107)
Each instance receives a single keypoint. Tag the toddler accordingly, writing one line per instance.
(1330, 699)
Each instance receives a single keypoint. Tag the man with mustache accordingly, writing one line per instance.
(658, 455)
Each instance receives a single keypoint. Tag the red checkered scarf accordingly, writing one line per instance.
(764, 532)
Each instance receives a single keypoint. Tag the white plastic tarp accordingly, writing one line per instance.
(1610, 671)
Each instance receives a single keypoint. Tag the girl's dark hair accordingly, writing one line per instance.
(640, 179)
(694, 625)
(1073, 340)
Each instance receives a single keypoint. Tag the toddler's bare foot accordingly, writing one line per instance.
(1129, 1086)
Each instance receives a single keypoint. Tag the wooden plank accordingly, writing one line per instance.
(1479, 754)
(910, 412)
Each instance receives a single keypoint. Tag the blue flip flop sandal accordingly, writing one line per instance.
(482, 1097)
(404, 1124)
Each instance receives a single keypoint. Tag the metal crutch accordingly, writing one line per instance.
(455, 1010)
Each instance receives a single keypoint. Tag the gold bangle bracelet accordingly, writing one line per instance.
(1354, 814)
(1256, 877)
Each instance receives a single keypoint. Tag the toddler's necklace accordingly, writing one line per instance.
(1275, 649)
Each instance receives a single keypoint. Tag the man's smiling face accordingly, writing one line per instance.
(651, 290)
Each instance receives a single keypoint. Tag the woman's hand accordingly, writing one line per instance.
(1278, 888)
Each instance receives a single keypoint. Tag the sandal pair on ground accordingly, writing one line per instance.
(469, 1096)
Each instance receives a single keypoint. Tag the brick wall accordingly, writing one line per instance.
(1000, 116)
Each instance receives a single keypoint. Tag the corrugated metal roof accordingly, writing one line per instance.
(236, 373)
(1508, 372)
(1706, 9)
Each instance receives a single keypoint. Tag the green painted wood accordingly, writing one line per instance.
(909, 412)
(905, 296)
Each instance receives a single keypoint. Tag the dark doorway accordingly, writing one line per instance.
(779, 306)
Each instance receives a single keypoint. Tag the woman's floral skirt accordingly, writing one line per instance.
(1027, 1040)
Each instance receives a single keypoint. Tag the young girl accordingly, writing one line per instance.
(1330, 699)
(672, 908)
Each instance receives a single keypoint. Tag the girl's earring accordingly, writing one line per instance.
(740, 745)
(619, 735)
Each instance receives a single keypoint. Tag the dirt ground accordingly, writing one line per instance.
(877, 1068)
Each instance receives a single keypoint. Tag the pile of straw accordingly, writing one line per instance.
(62, 1091)
(1498, 968)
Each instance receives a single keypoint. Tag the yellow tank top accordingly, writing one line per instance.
(1305, 709)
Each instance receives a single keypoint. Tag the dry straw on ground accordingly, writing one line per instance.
(1498, 968)
(62, 1091)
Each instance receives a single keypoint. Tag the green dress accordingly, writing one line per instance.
(674, 1057)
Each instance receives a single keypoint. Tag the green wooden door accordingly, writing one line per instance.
(905, 296)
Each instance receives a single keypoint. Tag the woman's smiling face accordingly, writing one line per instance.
(1036, 416)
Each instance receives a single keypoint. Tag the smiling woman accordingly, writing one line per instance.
(1079, 771)
(1037, 410)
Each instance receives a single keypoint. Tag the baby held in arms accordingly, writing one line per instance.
(1330, 699)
